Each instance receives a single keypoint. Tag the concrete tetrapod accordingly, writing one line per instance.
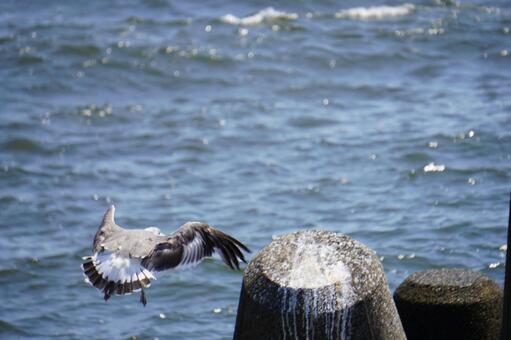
(449, 304)
(316, 285)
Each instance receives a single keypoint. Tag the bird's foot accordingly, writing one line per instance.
(143, 300)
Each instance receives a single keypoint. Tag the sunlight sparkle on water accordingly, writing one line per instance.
(432, 167)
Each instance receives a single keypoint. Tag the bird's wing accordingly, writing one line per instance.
(191, 243)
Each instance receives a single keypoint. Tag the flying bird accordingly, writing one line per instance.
(126, 260)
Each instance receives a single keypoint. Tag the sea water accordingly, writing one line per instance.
(387, 121)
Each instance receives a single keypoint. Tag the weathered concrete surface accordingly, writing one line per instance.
(316, 285)
(449, 304)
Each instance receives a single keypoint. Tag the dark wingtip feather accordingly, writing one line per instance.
(234, 252)
(230, 248)
(241, 245)
(238, 243)
(231, 254)
(225, 256)
(238, 252)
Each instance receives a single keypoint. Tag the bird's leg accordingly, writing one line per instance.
(142, 297)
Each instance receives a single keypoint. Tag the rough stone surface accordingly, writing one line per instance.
(316, 285)
(449, 304)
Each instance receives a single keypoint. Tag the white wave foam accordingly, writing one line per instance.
(266, 15)
(376, 12)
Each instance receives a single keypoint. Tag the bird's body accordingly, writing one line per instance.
(125, 261)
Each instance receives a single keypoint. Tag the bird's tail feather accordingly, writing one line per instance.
(98, 277)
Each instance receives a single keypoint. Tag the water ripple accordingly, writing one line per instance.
(276, 121)
(24, 145)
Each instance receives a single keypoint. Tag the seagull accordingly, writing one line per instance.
(126, 260)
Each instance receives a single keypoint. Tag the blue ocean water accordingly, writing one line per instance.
(390, 122)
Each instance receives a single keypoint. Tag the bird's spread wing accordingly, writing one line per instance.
(191, 243)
